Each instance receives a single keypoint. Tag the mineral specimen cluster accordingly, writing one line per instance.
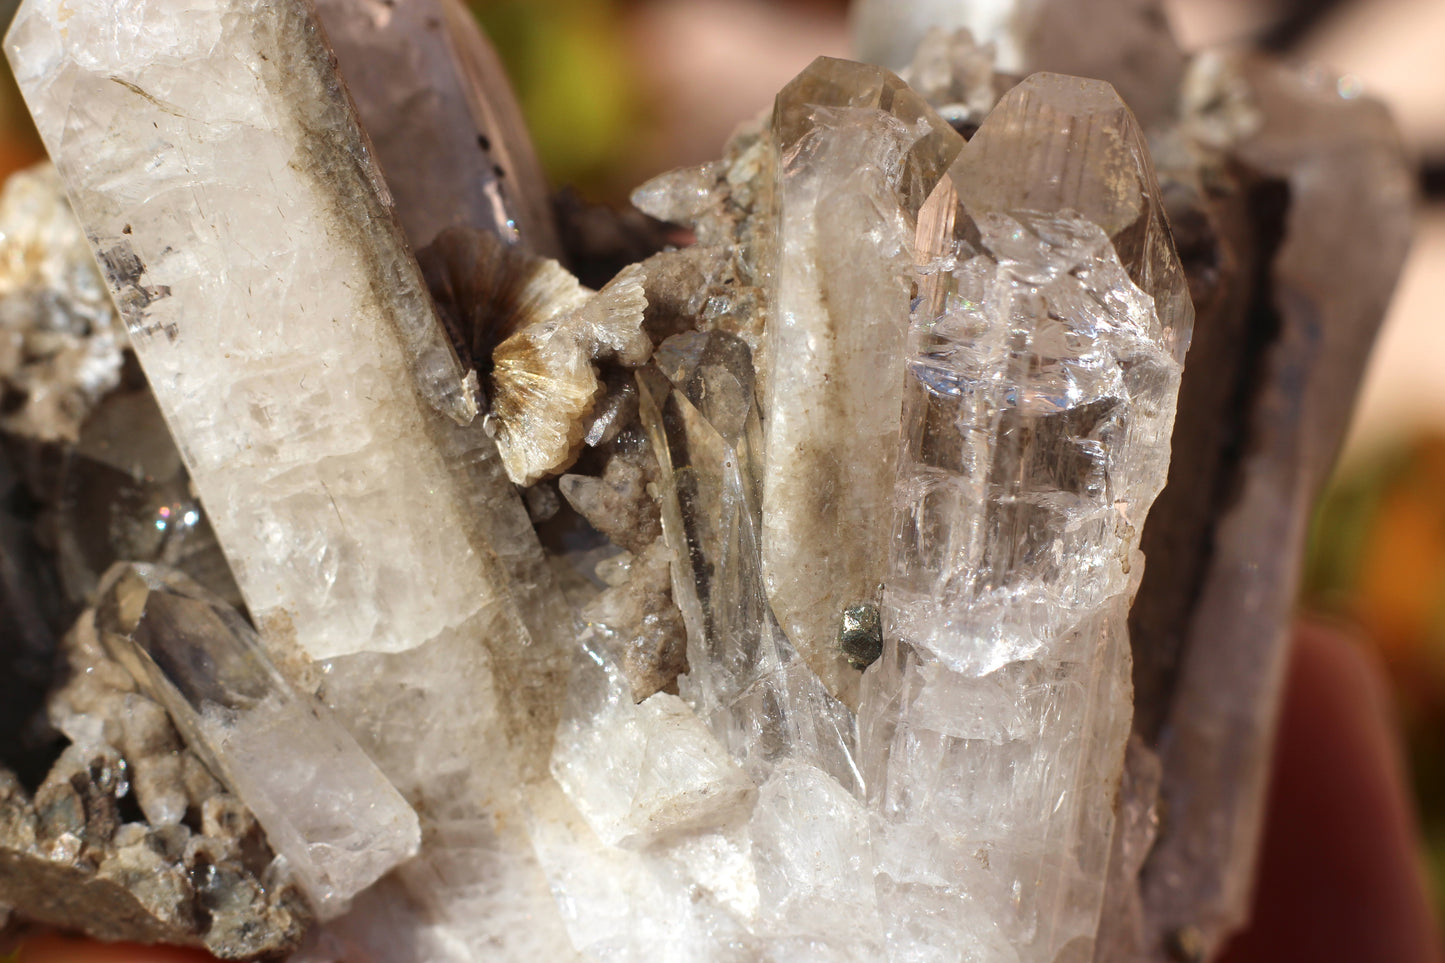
(373, 588)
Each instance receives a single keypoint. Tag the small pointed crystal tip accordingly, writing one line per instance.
(324, 805)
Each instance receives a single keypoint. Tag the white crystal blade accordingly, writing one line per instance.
(229, 194)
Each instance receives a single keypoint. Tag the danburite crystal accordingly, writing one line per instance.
(324, 805)
(1046, 347)
(290, 344)
(440, 114)
(859, 153)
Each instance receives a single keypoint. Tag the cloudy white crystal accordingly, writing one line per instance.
(324, 805)
(291, 344)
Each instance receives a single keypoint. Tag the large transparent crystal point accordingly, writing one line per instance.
(1057, 143)
(858, 153)
(323, 803)
(215, 162)
(1042, 373)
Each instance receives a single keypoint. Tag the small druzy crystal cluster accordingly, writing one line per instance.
(465, 576)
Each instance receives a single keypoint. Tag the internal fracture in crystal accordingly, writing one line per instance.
(315, 436)
(1045, 356)
(825, 658)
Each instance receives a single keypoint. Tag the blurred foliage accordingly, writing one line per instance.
(1377, 560)
(578, 88)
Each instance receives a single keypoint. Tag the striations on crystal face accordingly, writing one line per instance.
(324, 805)
(439, 112)
(820, 649)
(858, 152)
(292, 345)
(1044, 362)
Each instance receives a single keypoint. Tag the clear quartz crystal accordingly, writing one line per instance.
(726, 824)
(858, 153)
(296, 355)
(324, 805)
(746, 679)
(291, 344)
(1045, 354)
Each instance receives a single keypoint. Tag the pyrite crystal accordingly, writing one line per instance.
(774, 601)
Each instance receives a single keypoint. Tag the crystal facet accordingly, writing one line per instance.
(1044, 365)
(324, 805)
(858, 153)
(827, 656)
(439, 112)
(291, 345)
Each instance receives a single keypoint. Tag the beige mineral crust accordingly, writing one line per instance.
(192, 869)
(60, 338)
